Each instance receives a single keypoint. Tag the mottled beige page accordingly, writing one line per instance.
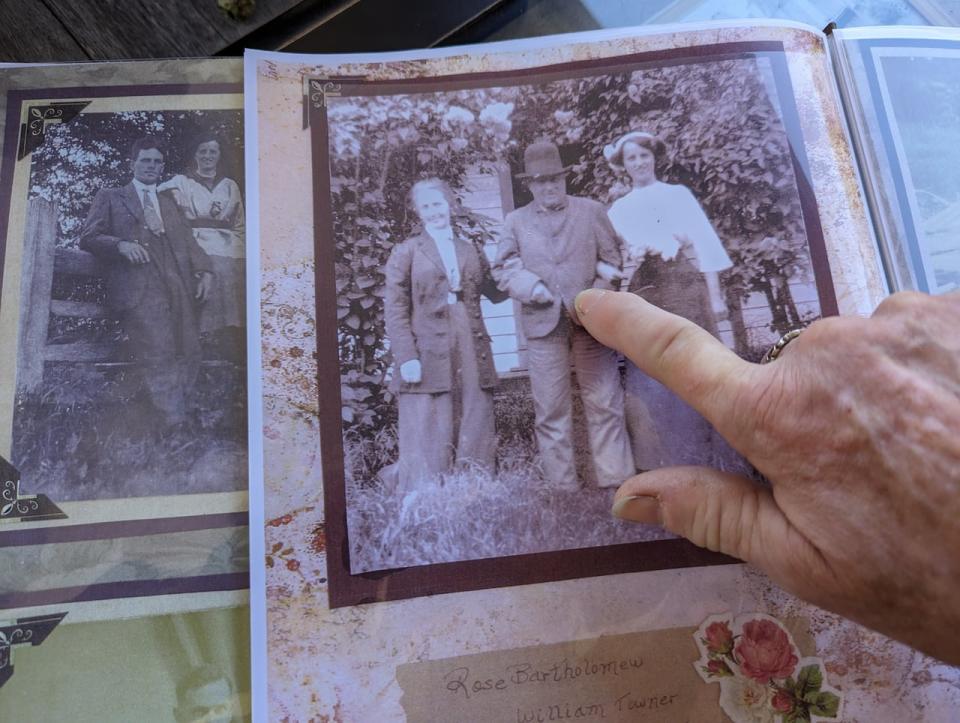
(374, 661)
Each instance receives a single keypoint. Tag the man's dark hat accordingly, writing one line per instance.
(542, 160)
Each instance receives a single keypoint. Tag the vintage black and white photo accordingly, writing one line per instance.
(131, 372)
(180, 667)
(479, 419)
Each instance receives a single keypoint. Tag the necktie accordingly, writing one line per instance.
(150, 216)
(453, 271)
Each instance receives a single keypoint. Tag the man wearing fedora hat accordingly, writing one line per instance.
(550, 250)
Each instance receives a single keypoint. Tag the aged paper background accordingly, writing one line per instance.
(125, 670)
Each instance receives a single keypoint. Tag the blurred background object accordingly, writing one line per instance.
(62, 30)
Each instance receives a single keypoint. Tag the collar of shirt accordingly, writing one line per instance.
(440, 235)
(443, 240)
(209, 182)
(542, 208)
(141, 187)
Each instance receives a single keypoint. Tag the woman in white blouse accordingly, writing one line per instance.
(678, 257)
(214, 208)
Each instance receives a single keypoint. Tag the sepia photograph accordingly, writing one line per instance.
(478, 419)
(131, 363)
(183, 668)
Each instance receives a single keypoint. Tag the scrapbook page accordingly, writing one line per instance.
(436, 463)
(434, 440)
(123, 434)
(903, 94)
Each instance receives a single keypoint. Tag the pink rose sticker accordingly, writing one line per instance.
(782, 701)
(719, 637)
(764, 651)
(761, 675)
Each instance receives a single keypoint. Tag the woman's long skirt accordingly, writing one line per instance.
(437, 431)
(665, 430)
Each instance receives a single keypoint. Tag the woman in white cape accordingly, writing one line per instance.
(678, 257)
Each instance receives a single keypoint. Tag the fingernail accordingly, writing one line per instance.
(586, 299)
(640, 508)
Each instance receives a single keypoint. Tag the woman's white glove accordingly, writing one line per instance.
(541, 294)
(609, 273)
(411, 372)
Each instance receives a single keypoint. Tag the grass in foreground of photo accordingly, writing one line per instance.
(470, 514)
(92, 435)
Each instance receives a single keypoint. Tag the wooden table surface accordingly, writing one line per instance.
(64, 30)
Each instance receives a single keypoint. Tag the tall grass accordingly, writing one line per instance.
(472, 514)
(469, 513)
(91, 434)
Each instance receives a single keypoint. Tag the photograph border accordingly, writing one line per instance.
(228, 509)
(346, 588)
(897, 159)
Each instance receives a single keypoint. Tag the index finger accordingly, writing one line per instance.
(676, 352)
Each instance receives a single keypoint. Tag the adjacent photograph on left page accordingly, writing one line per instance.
(182, 667)
(123, 409)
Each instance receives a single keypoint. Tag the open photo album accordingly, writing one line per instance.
(334, 293)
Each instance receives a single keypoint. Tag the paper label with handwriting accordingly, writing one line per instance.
(637, 676)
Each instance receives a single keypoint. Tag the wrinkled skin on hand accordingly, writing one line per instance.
(857, 427)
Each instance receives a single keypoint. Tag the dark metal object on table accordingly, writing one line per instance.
(364, 26)
(65, 30)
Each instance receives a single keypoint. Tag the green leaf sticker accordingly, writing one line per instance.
(826, 705)
(809, 679)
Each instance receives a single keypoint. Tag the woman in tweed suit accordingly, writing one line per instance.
(443, 364)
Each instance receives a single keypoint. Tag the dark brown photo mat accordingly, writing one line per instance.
(346, 588)
(11, 535)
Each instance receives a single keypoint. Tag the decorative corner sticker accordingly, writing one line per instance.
(25, 631)
(15, 506)
(762, 677)
(34, 129)
(318, 89)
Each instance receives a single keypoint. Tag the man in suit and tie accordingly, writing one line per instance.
(156, 275)
(550, 250)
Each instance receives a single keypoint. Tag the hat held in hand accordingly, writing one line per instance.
(542, 160)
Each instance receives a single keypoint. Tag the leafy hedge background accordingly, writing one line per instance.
(724, 138)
